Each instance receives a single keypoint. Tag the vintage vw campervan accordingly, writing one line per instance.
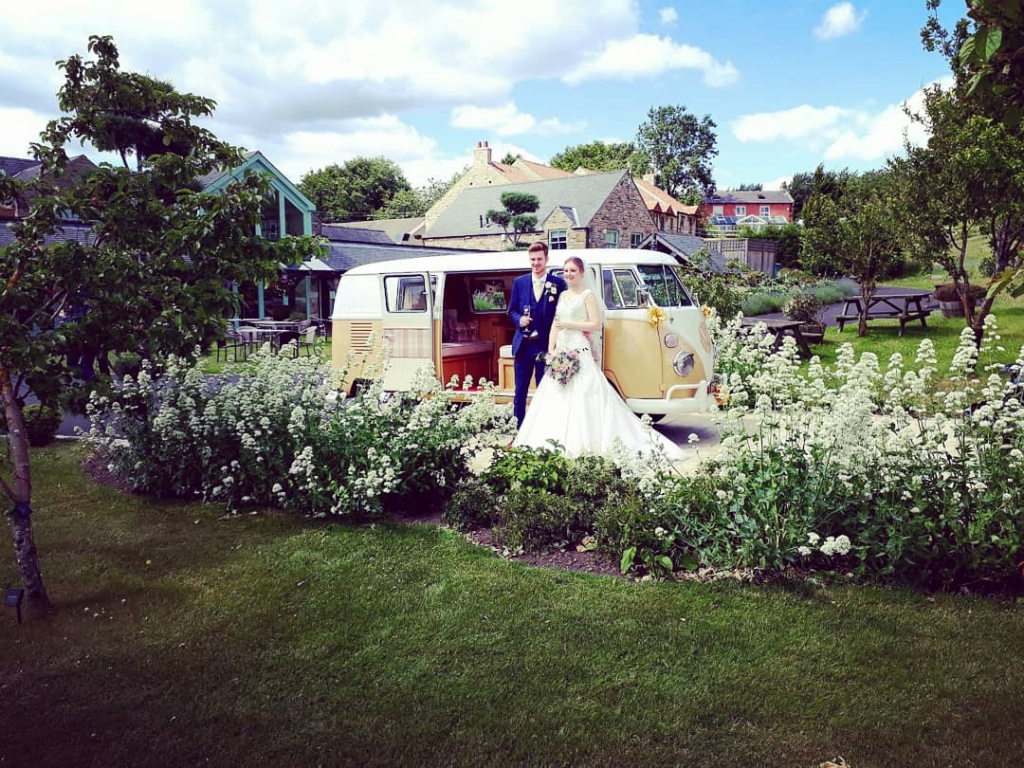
(449, 311)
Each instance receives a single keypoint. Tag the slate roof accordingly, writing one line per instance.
(344, 256)
(586, 194)
(354, 234)
(12, 166)
(397, 230)
(751, 197)
(683, 247)
(68, 232)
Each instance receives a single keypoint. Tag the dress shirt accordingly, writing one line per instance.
(538, 285)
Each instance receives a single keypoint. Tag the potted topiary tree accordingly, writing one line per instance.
(950, 303)
(807, 308)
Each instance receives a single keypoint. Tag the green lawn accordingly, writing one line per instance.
(186, 638)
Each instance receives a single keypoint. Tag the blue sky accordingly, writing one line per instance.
(789, 85)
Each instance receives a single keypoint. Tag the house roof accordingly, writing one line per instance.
(467, 213)
(658, 199)
(683, 247)
(750, 197)
(539, 171)
(71, 231)
(344, 256)
(12, 166)
(215, 180)
(354, 234)
(397, 230)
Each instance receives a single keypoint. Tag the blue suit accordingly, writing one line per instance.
(528, 353)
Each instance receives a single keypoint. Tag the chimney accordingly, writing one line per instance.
(482, 154)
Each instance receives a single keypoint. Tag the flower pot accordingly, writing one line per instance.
(951, 308)
(813, 333)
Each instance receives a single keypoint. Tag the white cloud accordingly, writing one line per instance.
(648, 56)
(796, 123)
(507, 120)
(21, 127)
(839, 133)
(669, 16)
(841, 19)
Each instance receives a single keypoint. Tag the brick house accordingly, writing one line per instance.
(599, 210)
(725, 211)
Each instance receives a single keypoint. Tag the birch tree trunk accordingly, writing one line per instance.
(20, 493)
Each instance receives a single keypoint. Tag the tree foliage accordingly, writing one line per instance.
(679, 148)
(855, 228)
(799, 188)
(973, 169)
(357, 190)
(516, 217)
(991, 56)
(595, 156)
(154, 275)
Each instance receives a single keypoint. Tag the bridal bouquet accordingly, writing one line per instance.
(563, 365)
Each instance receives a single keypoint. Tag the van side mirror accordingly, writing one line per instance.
(643, 297)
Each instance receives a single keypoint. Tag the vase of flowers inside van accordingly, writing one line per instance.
(807, 308)
(950, 302)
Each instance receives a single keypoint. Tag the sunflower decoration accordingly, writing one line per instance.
(655, 316)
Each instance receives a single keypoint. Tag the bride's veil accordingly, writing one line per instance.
(592, 280)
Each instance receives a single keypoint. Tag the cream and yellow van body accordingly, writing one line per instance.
(448, 311)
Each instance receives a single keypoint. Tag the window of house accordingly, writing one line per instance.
(741, 210)
(635, 238)
(766, 211)
(611, 238)
(718, 210)
(557, 240)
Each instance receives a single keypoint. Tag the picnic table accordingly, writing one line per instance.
(782, 328)
(904, 307)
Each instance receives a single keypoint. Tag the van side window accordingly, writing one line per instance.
(405, 293)
(619, 288)
(665, 286)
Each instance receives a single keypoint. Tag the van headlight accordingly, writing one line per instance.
(671, 340)
(682, 364)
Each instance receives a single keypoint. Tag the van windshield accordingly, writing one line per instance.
(665, 286)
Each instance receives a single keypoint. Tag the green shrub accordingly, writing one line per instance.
(805, 307)
(533, 520)
(473, 505)
(41, 423)
(754, 304)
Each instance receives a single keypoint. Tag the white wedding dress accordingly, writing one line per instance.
(586, 416)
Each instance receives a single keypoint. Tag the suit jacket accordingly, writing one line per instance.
(542, 312)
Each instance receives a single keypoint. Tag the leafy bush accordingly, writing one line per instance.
(473, 505)
(949, 292)
(754, 304)
(273, 436)
(805, 307)
(41, 423)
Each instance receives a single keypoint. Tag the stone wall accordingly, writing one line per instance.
(625, 211)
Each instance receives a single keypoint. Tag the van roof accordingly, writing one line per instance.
(475, 261)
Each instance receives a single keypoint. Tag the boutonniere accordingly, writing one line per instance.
(552, 290)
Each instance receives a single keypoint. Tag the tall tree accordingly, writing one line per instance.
(753, 187)
(516, 217)
(973, 166)
(857, 231)
(356, 190)
(992, 54)
(799, 188)
(679, 149)
(153, 276)
(595, 156)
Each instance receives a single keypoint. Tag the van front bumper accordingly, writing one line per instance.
(700, 401)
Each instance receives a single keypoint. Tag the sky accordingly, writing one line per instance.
(310, 83)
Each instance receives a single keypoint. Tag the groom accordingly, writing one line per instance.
(532, 309)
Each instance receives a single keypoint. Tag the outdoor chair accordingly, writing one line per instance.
(232, 341)
(307, 341)
(288, 337)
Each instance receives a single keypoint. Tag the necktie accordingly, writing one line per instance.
(538, 286)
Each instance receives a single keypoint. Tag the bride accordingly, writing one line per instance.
(585, 415)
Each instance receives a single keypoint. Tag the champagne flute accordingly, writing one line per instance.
(526, 314)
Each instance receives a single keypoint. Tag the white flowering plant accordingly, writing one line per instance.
(275, 435)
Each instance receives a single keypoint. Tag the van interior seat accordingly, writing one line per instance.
(463, 348)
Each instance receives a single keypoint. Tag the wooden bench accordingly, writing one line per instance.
(905, 307)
